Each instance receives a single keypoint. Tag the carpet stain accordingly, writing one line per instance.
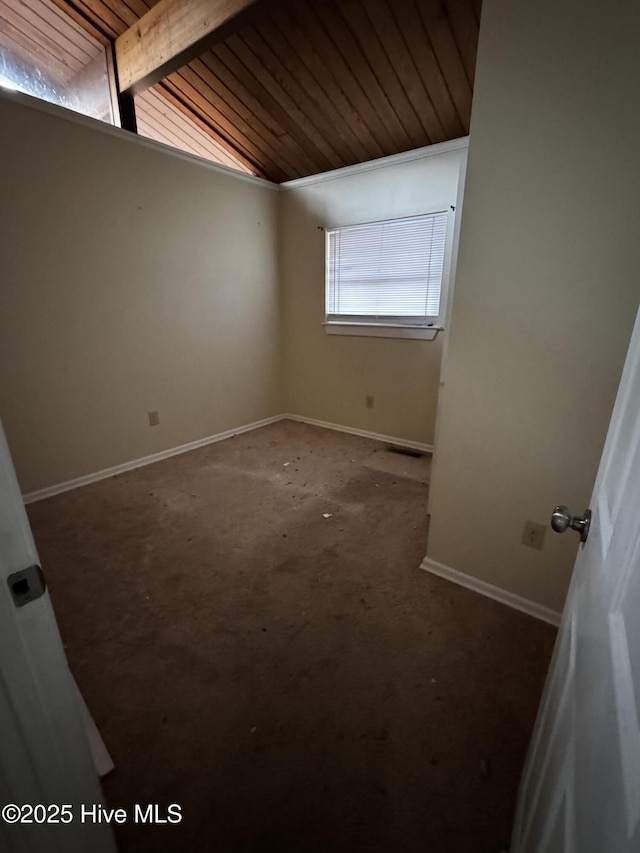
(292, 680)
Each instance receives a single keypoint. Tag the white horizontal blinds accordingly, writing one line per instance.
(387, 271)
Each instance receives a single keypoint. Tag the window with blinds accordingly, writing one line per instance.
(386, 272)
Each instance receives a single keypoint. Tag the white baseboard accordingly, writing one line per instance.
(538, 611)
(41, 494)
(388, 439)
(50, 491)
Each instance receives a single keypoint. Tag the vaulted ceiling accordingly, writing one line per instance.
(312, 85)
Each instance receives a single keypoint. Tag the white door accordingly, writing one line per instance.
(44, 752)
(580, 791)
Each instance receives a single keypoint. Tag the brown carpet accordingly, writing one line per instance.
(294, 682)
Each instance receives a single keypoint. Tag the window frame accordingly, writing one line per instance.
(396, 327)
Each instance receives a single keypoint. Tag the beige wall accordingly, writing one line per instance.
(547, 286)
(328, 376)
(131, 280)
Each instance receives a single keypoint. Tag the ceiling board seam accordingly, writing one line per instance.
(151, 110)
(362, 95)
(109, 30)
(429, 81)
(390, 142)
(241, 139)
(458, 47)
(68, 7)
(289, 28)
(216, 132)
(424, 80)
(315, 94)
(457, 27)
(239, 70)
(185, 102)
(150, 124)
(411, 120)
(240, 83)
(61, 43)
(233, 139)
(288, 108)
(279, 79)
(382, 20)
(144, 7)
(39, 50)
(399, 142)
(108, 10)
(268, 138)
(217, 120)
(252, 83)
(61, 20)
(156, 104)
(272, 132)
(445, 26)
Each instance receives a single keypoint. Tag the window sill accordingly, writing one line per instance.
(371, 330)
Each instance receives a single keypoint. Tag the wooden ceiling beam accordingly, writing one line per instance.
(173, 33)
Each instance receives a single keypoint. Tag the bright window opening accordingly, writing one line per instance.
(46, 54)
(387, 273)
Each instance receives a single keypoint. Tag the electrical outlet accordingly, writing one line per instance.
(533, 534)
(154, 418)
(369, 400)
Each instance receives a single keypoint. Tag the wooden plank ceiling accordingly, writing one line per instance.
(161, 120)
(313, 85)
